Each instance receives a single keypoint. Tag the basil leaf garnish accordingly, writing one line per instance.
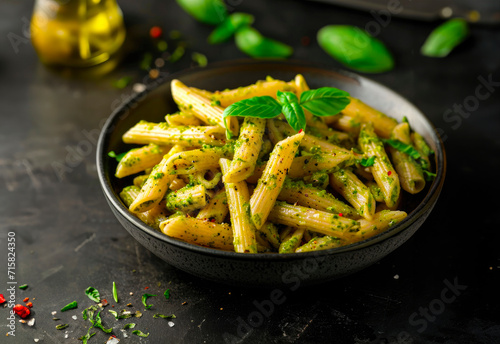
(145, 298)
(367, 162)
(445, 37)
(403, 147)
(324, 101)
(206, 11)
(71, 305)
(93, 294)
(140, 333)
(355, 49)
(292, 110)
(229, 26)
(118, 157)
(251, 42)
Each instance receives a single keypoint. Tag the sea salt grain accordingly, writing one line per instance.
(31, 322)
(74, 317)
(171, 324)
(396, 277)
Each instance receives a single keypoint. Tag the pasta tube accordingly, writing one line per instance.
(156, 185)
(152, 217)
(308, 196)
(312, 219)
(140, 159)
(199, 232)
(216, 209)
(268, 87)
(382, 170)
(247, 150)
(187, 199)
(196, 160)
(380, 222)
(192, 102)
(181, 119)
(383, 124)
(306, 165)
(161, 134)
(290, 244)
(237, 199)
(269, 185)
(321, 243)
(354, 191)
(409, 172)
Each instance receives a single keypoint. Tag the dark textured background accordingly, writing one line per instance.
(67, 238)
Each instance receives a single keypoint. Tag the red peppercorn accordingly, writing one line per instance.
(21, 310)
(340, 214)
(29, 304)
(2, 299)
(155, 32)
(389, 173)
(26, 299)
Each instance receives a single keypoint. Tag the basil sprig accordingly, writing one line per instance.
(445, 37)
(229, 26)
(324, 101)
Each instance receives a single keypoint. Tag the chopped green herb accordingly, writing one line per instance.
(131, 325)
(200, 59)
(140, 333)
(367, 162)
(253, 43)
(61, 326)
(206, 11)
(85, 338)
(158, 315)
(167, 294)
(118, 157)
(69, 306)
(124, 314)
(229, 26)
(115, 292)
(122, 82)
(145, 298)
(93, 294)
(24, 286)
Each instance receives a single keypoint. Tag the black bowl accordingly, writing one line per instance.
(264, 269)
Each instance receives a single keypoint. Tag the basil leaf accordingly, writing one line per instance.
(403, 147)
(123, 314)
(145, 298)
(261, 107)
(158, 315)
(292, 110)
(118, 157)
(445, 37)
(131, 325)
(367, 162)
(251, 42)
(24, 286)
(355, 49)
(324, 101)
(97, 323)
(206, 11)
(429, 176)
(85, 338)
(69, 306)
(167, 294)
(229, 26)
(115, 292)
(140, 333)
(93, 294)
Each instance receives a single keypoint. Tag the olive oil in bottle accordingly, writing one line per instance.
(76, 33)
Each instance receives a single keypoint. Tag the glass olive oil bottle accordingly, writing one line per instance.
(76, 33)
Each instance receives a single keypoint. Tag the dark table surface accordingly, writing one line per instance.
(439, 287)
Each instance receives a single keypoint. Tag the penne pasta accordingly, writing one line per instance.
(320, 243)
(354, 191)
(187, 199)
(247, 150)
(140, 159)
(181, 119)
(315, 220)
(161, 134)
(152, 217)
(199, 232)
(238, 201)
(216, 209)
(192, 102)
(291, 242)
(382, 170)
(306, 165)
(196, 160)
(410, 173)
(269, 185)
(380, 222)
(156, 185)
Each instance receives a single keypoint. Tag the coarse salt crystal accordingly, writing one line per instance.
(36, 340)
(74, 317)
(396, 277)
(171, 324)
(54, 313)
(31, 322)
